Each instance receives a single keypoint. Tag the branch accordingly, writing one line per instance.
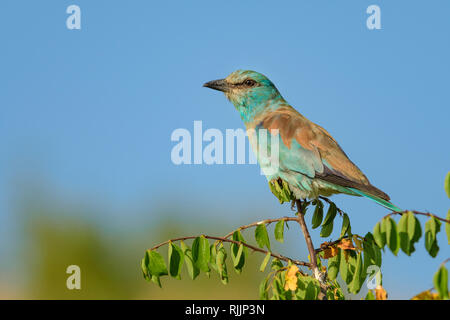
(301, 220)
(273, 254)
(418, 213)
(312, 254)
(329, 244)
(267, 221)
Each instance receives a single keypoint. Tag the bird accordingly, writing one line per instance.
(311, 161)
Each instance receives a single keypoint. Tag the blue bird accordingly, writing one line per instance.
(311, 162)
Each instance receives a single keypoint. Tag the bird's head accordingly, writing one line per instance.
(249, 91)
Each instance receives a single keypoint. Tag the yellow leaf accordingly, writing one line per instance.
(330, 252)
(325, 245)
(380, 293)
(291, 278)
(327, 253)
(358, 242)
(334, 251)
(336, 295)
(346, 244)
(426, 295)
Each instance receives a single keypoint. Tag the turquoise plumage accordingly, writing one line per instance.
(309, 159)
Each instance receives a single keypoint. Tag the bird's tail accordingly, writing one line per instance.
(378, 200)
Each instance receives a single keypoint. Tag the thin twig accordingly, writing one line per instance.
(273, 254)
(330, 202)
(329, 245)
(266, 221)
(445, 261)
(419, 213)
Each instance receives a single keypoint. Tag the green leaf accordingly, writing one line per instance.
(312, 289)
(278, 287)
(414, 228)
(261, 236)
(405, 242)
(331, 214)
(346, 228)
(156, 266)
(302, 283)
(265, 262)
(238, 256)
(283, 193)
(392, 238)
(237, 236)
(220, 259)
(333, 266)
(440, 281)
(307, 288)
(276, 264)
(279, 231)
(409, 231)
(263, 294)
(369, 295)
(318, 215)
(238, 264)
(338, 294)
(201, 253)
(330, 295)
(326, 230)
(379, 235)
(343, 268)
(144, 269)
(432, 227)
(378, 255)
(447, 226)
(224, 276)
(352, 264)
(371, 254)
(286, 191)
(221, 256)
(435, 226)
(156, 280)
(176, 258)
(193, 270)
(276, 190)
(356, 283)
(213, 256)
(447, 184)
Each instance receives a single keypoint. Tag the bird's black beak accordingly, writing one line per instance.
(220, 85)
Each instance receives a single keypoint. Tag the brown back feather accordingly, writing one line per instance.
(338, 168)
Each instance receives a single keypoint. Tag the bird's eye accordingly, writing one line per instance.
(249, 82)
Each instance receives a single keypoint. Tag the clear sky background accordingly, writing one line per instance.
(91, 111)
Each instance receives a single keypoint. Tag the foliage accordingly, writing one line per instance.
(340, 267)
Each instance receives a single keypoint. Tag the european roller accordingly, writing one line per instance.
(311, 162)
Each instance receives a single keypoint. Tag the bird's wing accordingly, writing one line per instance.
(314, 152)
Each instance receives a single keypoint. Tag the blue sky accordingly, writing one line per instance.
(91, 111)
